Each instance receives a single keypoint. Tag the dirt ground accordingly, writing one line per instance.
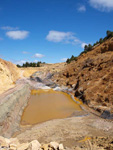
(84, 131)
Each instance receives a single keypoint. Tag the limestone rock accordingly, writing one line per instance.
(12, 147)
(34, 145)
(14, 141)
(45, 146)
(3, 142)
(54, 145)
(24, 146)
(61, 147)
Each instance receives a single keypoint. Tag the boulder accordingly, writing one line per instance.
(13, 147)
(34, 145)
(61, 147)
(24, 146)
(54, 145)
(3, 142)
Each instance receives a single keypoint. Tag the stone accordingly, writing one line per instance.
(54, 145)
(14, 141)
(24, 146)
(45, 146)
(78, 148)
(73, 86)
(57, 89)
(12, 147)
(34, 145)
(3, 142)
(61, 147)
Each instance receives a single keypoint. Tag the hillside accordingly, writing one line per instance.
(91, 77)
(9, 73)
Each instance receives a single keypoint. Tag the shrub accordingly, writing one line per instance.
(31, 64)
(73, 58)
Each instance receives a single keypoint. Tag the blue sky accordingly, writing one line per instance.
(51, 30)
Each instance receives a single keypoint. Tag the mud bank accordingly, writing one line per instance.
(12, 104)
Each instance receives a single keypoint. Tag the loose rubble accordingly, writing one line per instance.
(14, 144)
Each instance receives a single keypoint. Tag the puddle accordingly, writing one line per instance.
(46, 105)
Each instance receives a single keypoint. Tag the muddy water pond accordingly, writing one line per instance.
(46, 105)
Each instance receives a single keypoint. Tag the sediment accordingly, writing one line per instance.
(12, 104)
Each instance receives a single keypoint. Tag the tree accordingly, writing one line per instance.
(101, 40)
(108, 32)
(85, 47)
(18, 65)
(73, 58)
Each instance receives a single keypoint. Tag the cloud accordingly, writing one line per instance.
(81, 8)
(83, 44)
(63, 59)
(65, 37)
(38, 55)
(9, 28)
(57, 36)
(102, 5)
(17, 35)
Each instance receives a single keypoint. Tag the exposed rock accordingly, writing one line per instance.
(24, 146)
(91, 76)
(9, 73)
(12, 147)
(61, 147)
(54, 145)
(13, 144)
(34, 145)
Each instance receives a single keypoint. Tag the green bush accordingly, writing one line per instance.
(31, 64)
(73, 58)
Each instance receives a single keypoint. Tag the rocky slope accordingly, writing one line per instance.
(9, 73)
(91, 77)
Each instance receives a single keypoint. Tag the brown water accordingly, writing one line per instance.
(46, 105)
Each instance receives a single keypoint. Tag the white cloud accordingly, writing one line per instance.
(65, 37)
(102, 5)
(9, 28)
(63, 59)
(57, 36)
(17, 35)
(38, 55)
(82, 8)
(83, 44)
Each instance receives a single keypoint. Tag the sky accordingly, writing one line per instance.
(51, 30)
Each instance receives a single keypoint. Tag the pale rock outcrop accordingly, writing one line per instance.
(9, 73)
(13, 144)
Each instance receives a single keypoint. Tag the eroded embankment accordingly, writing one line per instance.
(12, 104)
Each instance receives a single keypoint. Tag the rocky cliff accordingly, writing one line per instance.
(9, 73)
(91, 77)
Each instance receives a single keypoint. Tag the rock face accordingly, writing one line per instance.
(11, 108)
(91, 77)
(9, 73)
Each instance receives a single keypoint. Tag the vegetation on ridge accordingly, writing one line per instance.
(89, 47)
(31, 64)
